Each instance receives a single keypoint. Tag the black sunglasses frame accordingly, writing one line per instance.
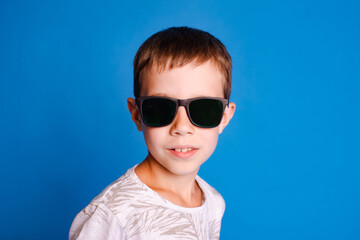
(181, 102)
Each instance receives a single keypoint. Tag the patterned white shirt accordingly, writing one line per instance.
(128, 209)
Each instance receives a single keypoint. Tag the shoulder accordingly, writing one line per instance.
(124, 188)
(96, 221)
(106, 214)
(121, 196)
(213, 198)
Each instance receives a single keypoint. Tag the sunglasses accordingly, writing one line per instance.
(204, 112)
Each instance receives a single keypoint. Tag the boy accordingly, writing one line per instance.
(182, 82)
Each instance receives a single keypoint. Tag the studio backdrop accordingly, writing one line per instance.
(287, 165)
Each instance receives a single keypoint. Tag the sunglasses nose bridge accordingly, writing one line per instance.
(182, 102)
(181, 124)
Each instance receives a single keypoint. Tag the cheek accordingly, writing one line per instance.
(210, 138)
(152, 137)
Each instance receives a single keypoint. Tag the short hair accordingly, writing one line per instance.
(178, 46)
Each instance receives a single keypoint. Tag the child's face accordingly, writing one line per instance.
(181, 147)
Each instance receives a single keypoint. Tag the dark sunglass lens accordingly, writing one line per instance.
(206, 113)
(158, 112)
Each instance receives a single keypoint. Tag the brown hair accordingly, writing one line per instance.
(178, 46)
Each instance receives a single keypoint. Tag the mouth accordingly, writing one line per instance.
(183, 151)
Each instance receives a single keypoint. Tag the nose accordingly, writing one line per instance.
(181, 125)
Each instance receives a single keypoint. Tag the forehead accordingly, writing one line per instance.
(190, 80)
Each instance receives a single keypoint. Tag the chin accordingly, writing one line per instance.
(183, 169)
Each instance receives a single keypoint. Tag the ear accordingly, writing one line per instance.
(135, 113)
(228, 114)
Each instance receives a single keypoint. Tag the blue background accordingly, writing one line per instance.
(288, 163)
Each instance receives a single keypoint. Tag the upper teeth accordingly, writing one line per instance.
(183, 149)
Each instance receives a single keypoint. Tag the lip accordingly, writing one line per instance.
(183, 155)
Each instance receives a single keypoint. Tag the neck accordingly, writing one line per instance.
(178, 189)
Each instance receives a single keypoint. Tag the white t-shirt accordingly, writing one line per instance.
(128, 209)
